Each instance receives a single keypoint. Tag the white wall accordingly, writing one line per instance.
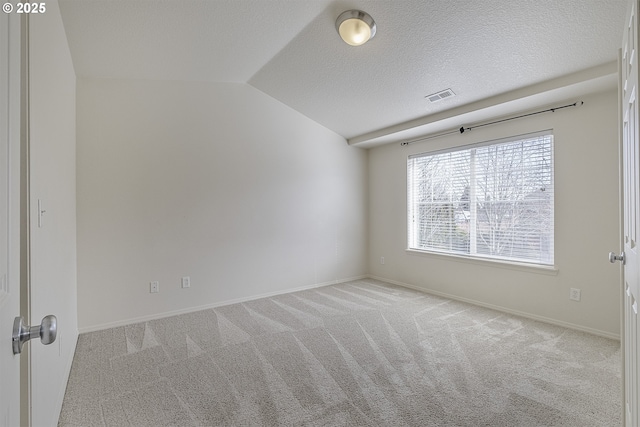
(222, 183)
(52, 174)
(586, 223)
(215, 181)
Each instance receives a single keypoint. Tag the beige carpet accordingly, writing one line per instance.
(362, 353)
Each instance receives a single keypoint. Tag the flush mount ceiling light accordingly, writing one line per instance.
(355, 27)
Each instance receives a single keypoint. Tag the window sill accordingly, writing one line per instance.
(509, 265)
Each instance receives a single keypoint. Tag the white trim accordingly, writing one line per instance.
(214, 305)
(466, 154)
(502, 309)
(335, 282)
(498, 263)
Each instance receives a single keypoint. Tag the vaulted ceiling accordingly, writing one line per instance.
(290, 50)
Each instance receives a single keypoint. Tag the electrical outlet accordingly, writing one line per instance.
(574, 294)
(381, 260)
(186, 282)
(154, 287)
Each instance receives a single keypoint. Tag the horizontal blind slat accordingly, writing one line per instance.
(513, 206)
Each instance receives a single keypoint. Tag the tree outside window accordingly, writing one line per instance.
(492, 200)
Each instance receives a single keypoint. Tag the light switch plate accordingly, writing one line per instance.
(186, 282)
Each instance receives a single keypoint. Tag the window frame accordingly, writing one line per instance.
(479, 258)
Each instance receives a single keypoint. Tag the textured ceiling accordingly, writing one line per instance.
(290, 49)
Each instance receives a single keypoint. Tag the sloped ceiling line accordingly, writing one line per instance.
(291, 51)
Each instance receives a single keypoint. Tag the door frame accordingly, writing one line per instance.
(11, 291)
(25, 220)
(629, 205)
(621, 234)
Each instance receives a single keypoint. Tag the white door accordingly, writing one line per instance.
(51, 156)
(49, 111)
(9, 216)
(631, 213)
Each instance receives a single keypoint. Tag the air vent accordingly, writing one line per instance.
(439, 96)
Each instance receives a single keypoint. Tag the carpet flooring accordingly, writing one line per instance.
(362, 353)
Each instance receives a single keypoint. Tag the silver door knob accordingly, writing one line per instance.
(613, 257)
(47, 331)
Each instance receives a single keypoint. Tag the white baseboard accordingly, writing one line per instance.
(333, 282)
(502, 309)
(213, 305)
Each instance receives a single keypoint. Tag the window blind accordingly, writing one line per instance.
(492, 200)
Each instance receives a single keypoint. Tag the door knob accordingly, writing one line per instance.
(47, 331)
(613, 257)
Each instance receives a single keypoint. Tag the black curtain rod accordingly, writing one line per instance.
(463, 129)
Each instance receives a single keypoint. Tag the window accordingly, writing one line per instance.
(491, 200)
